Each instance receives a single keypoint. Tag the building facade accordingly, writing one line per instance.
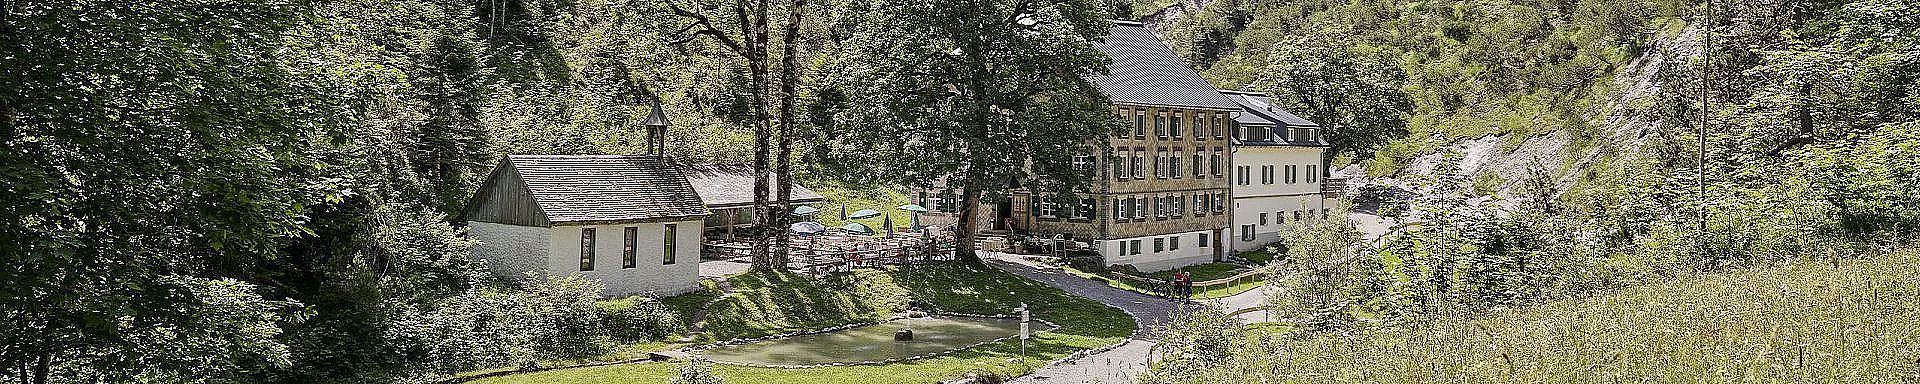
(1161, 197)
(1276, 168)
(631, 222)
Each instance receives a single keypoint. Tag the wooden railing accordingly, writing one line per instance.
(1159, 287)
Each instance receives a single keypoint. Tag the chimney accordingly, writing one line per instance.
(656, 131)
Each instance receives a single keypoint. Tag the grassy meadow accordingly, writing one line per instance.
(1855, 321)
(772, 303)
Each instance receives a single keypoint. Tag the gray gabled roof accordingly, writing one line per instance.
(1145, 72)
(585, 189)
(728, 186)
(1258, 109)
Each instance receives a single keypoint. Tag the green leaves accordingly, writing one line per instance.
(978, 93)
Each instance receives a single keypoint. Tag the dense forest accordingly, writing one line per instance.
(207, 191)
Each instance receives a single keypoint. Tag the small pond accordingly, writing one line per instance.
(872, 342)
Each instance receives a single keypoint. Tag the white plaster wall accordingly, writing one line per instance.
(510, 251)
(1279, 157)
(1280, 210)
(1277, 199)
(1191, 252)
(649, 276)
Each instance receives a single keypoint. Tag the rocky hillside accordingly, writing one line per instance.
(1586, 93)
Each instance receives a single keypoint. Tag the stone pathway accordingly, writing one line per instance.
(1117, 365)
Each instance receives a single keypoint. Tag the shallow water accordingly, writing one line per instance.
(872, 342)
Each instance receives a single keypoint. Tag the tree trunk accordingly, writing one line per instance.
(783, 167)
(41, 369)
(756, 36)
(966, 233)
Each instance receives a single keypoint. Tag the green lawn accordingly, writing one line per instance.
(1260, 257)
(1202, 272)
(1858, 322)
(1210, 271)
(768, 303)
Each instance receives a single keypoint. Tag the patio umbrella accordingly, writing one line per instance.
(864, 213)
(888, 223)
(807, 227)
(857, 228)
(804, 210)
(912, 207)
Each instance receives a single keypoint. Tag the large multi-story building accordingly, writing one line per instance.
(1161, 199)
(1276, 164)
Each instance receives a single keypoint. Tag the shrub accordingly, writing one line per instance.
(637, 319)
(489, 327)
(695, 371)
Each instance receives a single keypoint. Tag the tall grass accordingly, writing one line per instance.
(1855, 321)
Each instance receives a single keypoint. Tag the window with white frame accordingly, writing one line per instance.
(1085, 211)
(1173, 163)
(1119, 160)
(1173, 243)
(1160, 124)
(1140, 208)
(1200, 126)
(1220, 123)
(1139, 123)
(1173, 126)
(1139, 162)
(1216, 162)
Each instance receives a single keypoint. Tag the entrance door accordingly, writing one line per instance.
(1219, 246)
(1003, 215)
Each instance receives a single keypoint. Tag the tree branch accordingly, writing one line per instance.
(701, 25)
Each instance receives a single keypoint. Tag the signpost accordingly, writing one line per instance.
(1023, 333)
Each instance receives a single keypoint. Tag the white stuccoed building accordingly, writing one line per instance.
(1277, 171)
(632, 222)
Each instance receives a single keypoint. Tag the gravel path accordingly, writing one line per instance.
(1256, 297)
(1118, 365)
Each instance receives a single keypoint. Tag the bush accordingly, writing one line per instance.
(695, 371)
(638, 319)
(490, 327)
